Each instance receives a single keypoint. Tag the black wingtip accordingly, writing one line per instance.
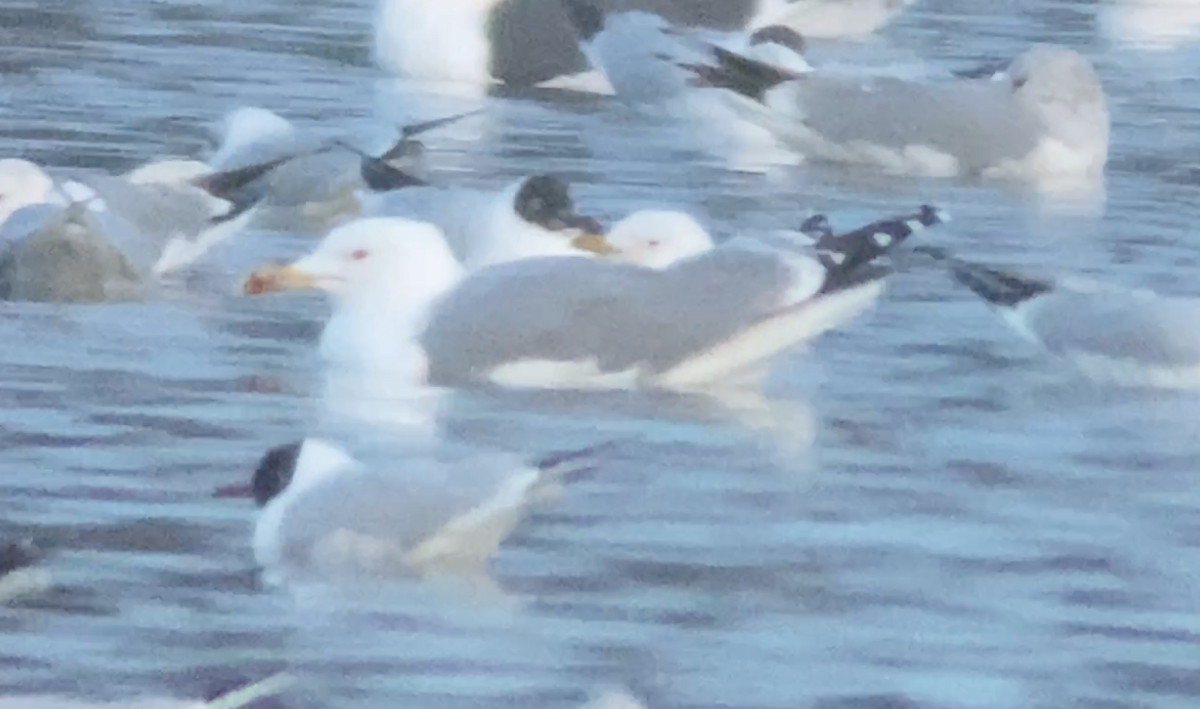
(227, 183)
(379, 176)
(586, 19)
(848, 257)
(998, 287)
(412, 130)
(740, 74)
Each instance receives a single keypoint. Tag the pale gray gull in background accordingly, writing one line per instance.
(1048, 119)
(402, 307)
(475, 44)
(1119, 335)
(98, 236)
(1156, 25)
(640, 52)
(304, 181)
(390, 505)
(641, 55)
(533, 216)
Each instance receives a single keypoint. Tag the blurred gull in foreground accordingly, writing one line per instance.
(403, 307)
(1123, 336)
(98, 236)
(1049, 118)
(247, 696)
(533, 216)
(390, 505)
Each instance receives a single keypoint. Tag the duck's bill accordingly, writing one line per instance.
(594, 243)
(273, 277)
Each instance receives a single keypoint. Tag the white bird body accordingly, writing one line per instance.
(556, 322)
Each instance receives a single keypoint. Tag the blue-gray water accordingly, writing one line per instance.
(972, 526)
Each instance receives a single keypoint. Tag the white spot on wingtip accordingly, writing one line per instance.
(836, 256)
(883, 239)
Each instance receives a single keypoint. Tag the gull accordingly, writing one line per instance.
(99, 236)
(1047, 116)
(478, 44)
(1124, 336)
(660, 238)
(530, 217)
(404, 306)
(390, 505)
(641, 55)
(301, 178)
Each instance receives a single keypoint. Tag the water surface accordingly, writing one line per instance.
(971, 526)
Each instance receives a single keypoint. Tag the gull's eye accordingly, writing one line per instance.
(359, 254)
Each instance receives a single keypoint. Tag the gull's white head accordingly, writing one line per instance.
(535, 217)
(657, 238)
(384, 274)
(22, 184)
(1061, 87)
(391, 261)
